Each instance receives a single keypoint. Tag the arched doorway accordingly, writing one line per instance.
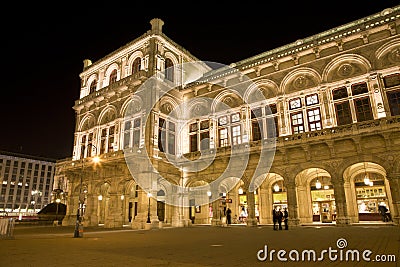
(367, 188)
(323, 199)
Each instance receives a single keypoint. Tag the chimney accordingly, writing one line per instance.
(156, 25)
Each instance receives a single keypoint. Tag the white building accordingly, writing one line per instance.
(26, 183)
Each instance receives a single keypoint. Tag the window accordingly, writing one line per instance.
(391, 80)
(136, 65)
(343, 113)
(169, 70)
(271, 112)
(113, 77)
(363, 109)
(394, 102)
(353, 103)
(314, 119)
(312, 99)
(256, 124)
(92, 87)
(360, 88)
(307, 118)
(223, 137)
(295, 103)
(199, 135)
(166, 136)
(236, 135)
(297, 122)
(89, 145)
(83, 146)
(107, 139)
(339, 93)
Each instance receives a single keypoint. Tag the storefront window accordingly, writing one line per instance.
(323, 200)
(370, 194)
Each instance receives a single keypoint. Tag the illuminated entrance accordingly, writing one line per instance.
(370, 194)
(323, 200)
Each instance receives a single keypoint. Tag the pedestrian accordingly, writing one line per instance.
(286, 218)
(382, 210)
(228, 216)
(280, 218)
(275, 218)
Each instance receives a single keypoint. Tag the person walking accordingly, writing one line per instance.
(228, 216)
(286, 218)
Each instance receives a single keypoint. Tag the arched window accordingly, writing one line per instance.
(169, 70)
(136, 65)
(93, 86)
(113, 77)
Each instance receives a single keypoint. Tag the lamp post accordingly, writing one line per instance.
(148, 210)
(58, 202)
(35, 194)
(78, 232)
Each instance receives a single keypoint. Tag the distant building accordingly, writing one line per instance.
(26, 183)
(326, 108)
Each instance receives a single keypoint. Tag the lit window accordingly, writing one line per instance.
(314, 119)
(236, 135)
(295, 103)
(235, 117)
(297, 123)
(223, 137)
(311, 99)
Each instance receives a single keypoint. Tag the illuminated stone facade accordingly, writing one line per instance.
(326, 107)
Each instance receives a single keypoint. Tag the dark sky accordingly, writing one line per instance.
(44, 46)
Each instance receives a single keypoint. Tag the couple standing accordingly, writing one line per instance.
(278, 216)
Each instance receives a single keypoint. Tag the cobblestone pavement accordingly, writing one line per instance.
(37, 246)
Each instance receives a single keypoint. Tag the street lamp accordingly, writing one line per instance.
(35, 194)
(78, 232)
(148, 210)
(58, 202)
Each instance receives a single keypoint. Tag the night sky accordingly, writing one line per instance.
(44, 47)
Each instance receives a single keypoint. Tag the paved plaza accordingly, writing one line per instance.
(37, 246)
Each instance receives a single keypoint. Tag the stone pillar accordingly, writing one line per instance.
(153, 210)
(323, 96)
(217, 216)
(265, 205)
(292, 203)
(394, 182)
(72, 209)
(140, 219)
(251, 209)
(114, 216)
(91, 211)
(342, 218)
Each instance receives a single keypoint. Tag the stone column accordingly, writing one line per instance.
(251, 209)
(394, 182)
(114, 217)
(292, 203)
(140, 219)
(342, 218)
(153, 210)
(265, 205)
(91, 211)
(217, 216)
